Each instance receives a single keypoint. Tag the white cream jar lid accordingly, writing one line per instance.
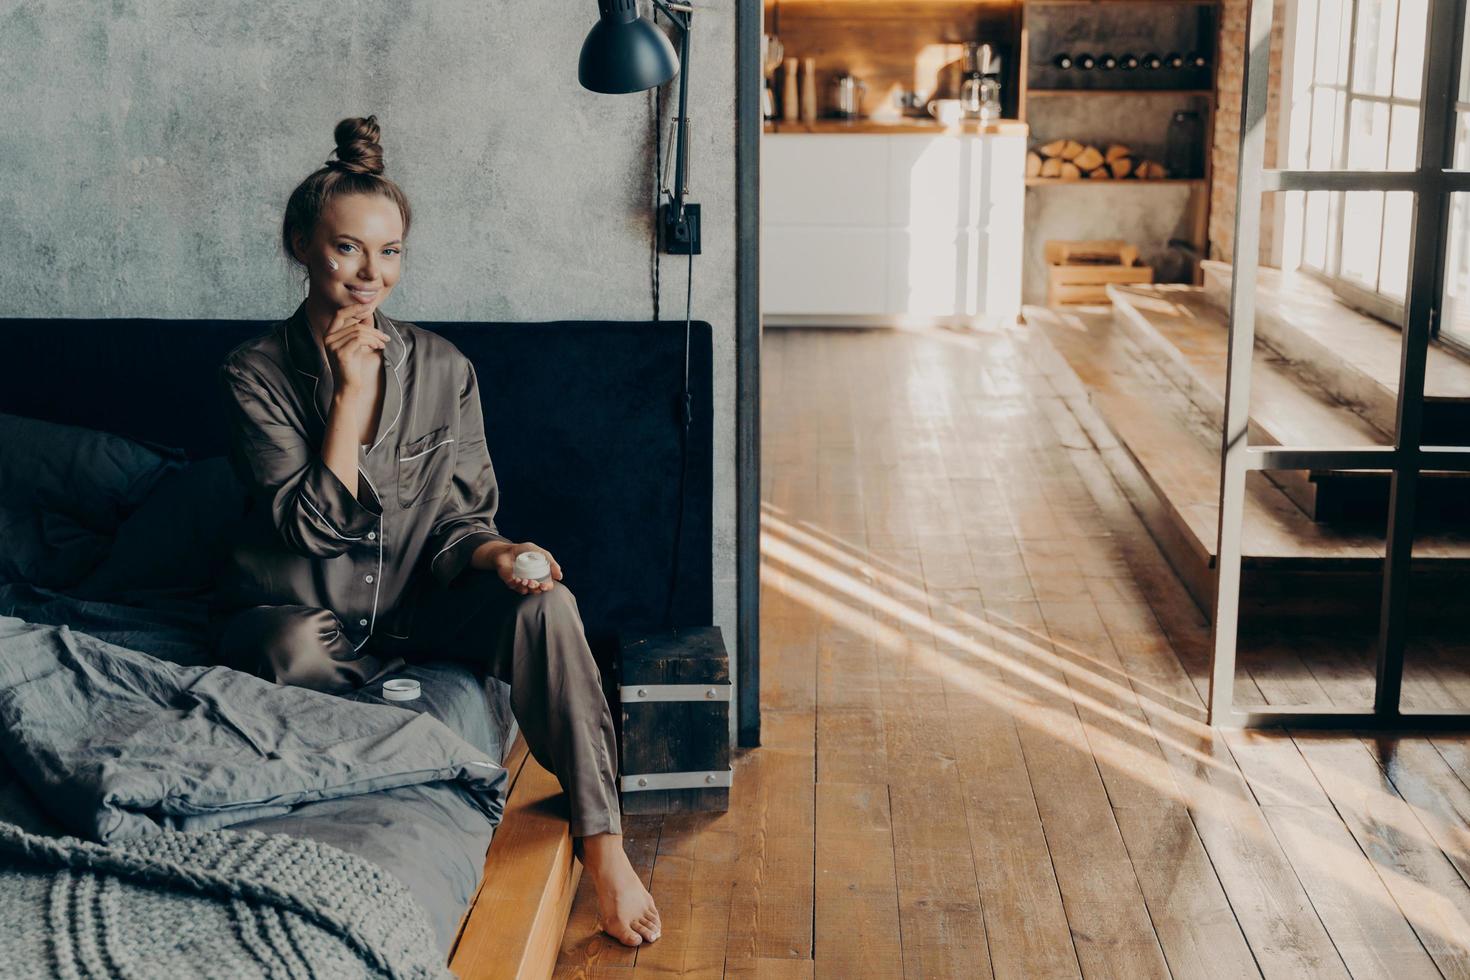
(401, 689)
(532, 565)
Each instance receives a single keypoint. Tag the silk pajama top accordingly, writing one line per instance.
(426, 494)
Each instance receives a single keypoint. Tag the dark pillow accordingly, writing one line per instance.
(172, 544)
(94, 477)
(45, 548)
(64, 491)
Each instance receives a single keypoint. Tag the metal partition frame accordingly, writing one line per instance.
(1431, 183)
(749, 24)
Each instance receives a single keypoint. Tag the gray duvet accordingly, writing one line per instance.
(120, 743)
(109, 742)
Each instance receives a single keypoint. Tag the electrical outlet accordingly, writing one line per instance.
(679, 238)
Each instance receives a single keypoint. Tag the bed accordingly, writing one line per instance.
(101, 553)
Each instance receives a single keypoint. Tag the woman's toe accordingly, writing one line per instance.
(624, 935)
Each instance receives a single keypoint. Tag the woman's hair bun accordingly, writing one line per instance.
(358, 150)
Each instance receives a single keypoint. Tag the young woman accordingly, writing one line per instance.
(372, 539)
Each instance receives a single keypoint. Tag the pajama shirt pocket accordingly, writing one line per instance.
(425, 466)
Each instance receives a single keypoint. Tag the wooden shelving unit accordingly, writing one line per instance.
(1115, 26)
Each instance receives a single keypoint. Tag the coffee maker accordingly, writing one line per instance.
(973, 82)
(980, 86)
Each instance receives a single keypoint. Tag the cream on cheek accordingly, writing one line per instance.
(347, 268)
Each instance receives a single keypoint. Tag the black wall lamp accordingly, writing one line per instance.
(625, 52)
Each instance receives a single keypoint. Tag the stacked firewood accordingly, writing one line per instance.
(1071, 160)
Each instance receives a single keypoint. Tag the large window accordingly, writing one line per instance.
(1352, 70)
(1454, 324)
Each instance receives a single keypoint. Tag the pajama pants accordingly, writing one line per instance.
(535, 643)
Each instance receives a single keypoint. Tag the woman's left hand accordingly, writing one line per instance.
(505, 565)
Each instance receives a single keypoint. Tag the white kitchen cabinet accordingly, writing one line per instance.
(842, 181)
(840, 270)
(884, 228)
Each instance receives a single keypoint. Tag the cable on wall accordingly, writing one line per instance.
(684, 408)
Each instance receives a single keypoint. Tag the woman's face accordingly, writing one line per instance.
(363, 235)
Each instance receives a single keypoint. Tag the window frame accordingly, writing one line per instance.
(1434, 183)
(1352, 292)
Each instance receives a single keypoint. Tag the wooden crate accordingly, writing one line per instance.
(1079, 272)
(674, 745)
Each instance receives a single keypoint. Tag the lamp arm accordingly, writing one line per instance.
(669, 11)
(673, 12)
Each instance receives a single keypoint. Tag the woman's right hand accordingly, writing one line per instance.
(354, 347)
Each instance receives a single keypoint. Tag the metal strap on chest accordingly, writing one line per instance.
(633, 693)
(710, 779)
(696, 779)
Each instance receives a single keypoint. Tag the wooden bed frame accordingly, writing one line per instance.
(514, 925)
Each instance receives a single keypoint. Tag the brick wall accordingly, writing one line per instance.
(1227, 124)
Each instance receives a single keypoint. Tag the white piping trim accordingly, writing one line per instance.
(329, 636)
(400, 339)
(360, 470)
(344, 537)
(404, 459)
(458, 540)
(396, 380)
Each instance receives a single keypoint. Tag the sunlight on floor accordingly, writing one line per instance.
(850, 589)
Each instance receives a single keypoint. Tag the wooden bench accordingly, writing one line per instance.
(514, 925)
(1163, 450)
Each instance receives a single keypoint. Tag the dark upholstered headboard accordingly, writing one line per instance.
(591, 472)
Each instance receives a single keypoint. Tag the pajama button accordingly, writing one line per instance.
(372, 535)
(368, 577)
(362, 622)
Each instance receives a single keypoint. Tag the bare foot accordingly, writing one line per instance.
(625, 909)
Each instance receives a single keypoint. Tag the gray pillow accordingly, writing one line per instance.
(64, 491)
(173, 543)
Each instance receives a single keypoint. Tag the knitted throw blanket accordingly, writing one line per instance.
(216, 903)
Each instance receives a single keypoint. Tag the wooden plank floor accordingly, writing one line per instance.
(984, 749)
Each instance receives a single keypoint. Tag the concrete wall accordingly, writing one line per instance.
(147, 150)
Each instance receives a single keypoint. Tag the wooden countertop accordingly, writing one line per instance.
(999, 127)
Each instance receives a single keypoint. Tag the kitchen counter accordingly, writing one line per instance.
(917, 124)
(898, 223)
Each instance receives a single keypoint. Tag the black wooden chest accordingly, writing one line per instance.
(674, 741)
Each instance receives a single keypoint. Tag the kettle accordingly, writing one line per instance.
(848, 102)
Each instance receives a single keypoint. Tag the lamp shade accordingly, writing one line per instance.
(625, 52)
